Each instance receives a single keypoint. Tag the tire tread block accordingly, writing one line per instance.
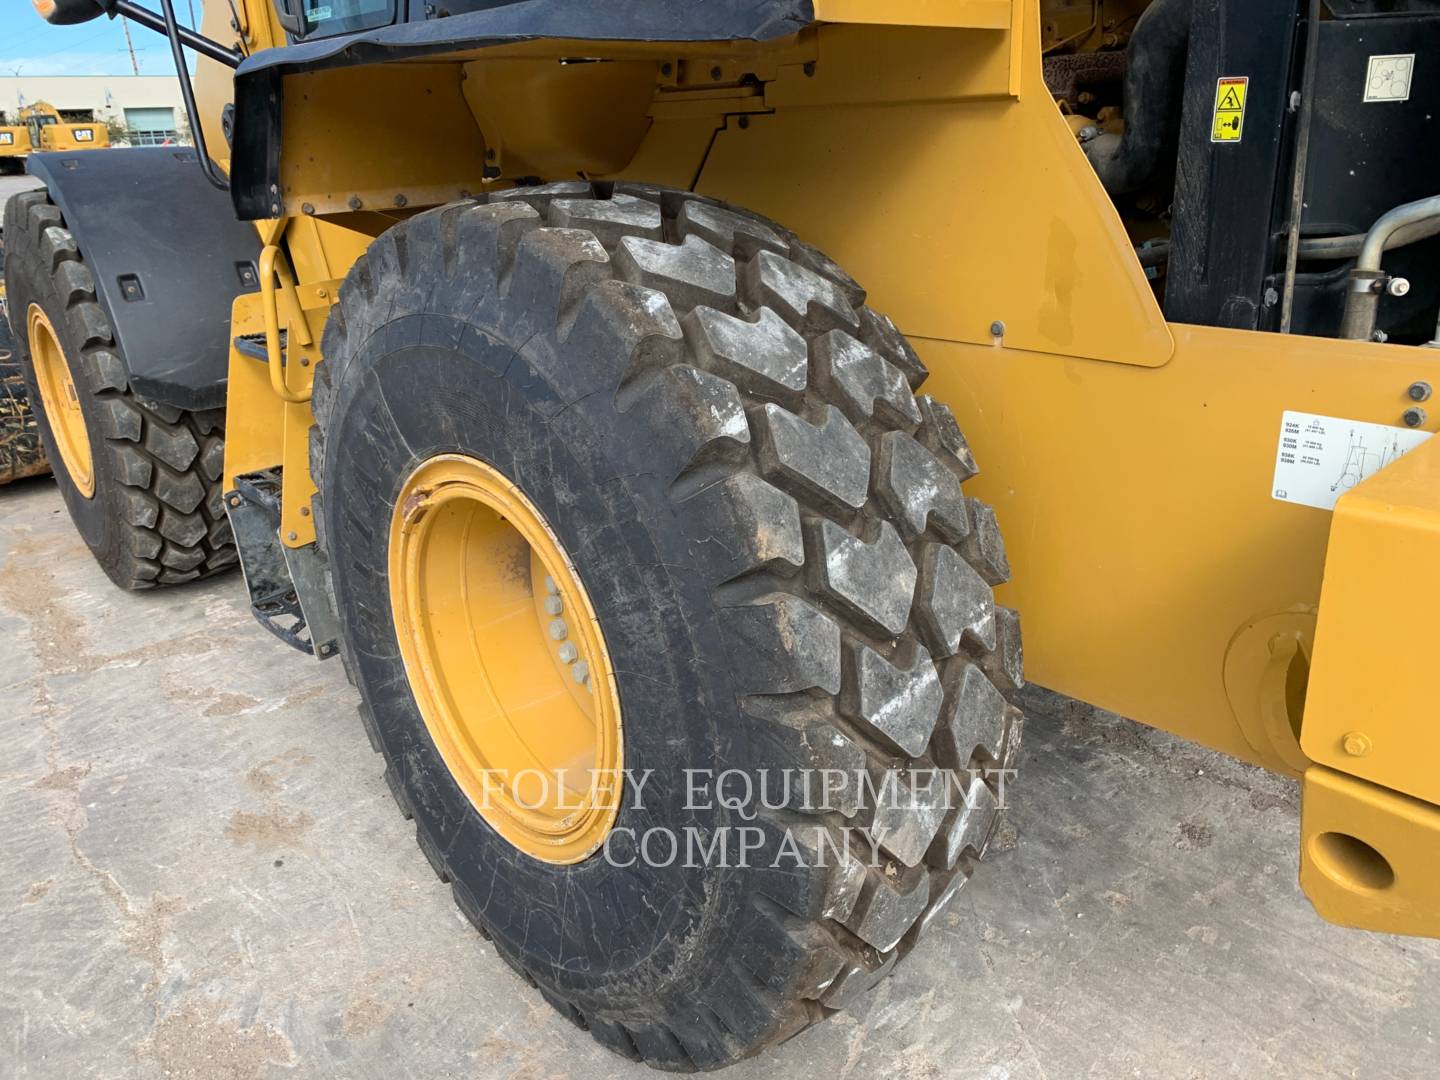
(874, 582)
(954, 604)
(900, 705)
(919, 492)
(826, 465)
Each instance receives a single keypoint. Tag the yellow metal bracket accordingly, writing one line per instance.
(1367, 855)
(1370, 829)
(269, 423)
(1371, 698)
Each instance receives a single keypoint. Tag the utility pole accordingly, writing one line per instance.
(134, 64)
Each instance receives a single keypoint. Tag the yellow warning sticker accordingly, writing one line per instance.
(1229, 109)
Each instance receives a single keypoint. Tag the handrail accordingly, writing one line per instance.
(273, 264)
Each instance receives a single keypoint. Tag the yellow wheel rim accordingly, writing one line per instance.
(505, 658)
(62, 404)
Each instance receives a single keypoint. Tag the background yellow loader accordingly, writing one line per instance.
(605, 417)
(50, 131)
(14, 144)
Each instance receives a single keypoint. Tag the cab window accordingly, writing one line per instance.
(326, 18)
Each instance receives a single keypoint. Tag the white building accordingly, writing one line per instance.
(148, 106)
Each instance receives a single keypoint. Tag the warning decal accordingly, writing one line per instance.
(1387, 78)
(1229, 109)
(1320, 458)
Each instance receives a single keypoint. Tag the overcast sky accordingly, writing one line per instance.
(34, 47)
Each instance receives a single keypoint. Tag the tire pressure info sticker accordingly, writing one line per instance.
(1320, 458)
(1387, 78)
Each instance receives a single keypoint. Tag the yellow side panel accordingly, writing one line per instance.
(959, 212)
(1371, 709)
(989, 14)
(377, 138)
(254, 416)
(1136, 510)
(1368, 856)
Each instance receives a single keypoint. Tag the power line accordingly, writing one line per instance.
(69, 47)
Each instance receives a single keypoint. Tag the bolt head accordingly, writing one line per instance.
(292, 536)
(1414, 416)
(1398, 286)
(997, 328)
(1419, 391)
(1357, 744)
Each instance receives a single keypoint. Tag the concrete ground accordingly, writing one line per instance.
(12, 185)
(202, 875)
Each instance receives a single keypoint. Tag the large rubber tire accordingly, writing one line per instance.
(787, 575)
(156, 516)
(21, 454)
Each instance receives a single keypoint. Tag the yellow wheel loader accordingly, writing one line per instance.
(14, 145)
(591, 379)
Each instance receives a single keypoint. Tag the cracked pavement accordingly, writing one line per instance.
(204, 876)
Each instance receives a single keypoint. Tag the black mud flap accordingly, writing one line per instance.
(169, 258)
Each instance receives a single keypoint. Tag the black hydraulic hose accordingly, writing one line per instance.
(1154, 89)
(187, 94)
(1302, 154)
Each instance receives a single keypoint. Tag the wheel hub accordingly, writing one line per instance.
(60, 400)
(505, 657)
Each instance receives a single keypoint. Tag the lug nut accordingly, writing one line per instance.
(568, 652)
(554, 605)
(550, 586)
(581, 672)
(558, 630)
